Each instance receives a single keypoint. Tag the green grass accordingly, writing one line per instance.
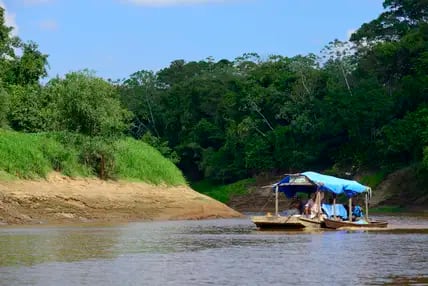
(222, 193)
(373, 180)
(136, 160)
(31, 156)
(387, 209)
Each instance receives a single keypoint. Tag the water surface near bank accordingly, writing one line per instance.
(212, 252)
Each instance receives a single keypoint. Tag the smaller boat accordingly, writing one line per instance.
(278, 222)
(337, 224)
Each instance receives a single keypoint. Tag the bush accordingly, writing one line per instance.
(29, 156)
(35, 155)
(139, 161)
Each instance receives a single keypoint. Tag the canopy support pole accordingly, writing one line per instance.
(334, 207)
(276, 200)
(367, 206)
(350, 209)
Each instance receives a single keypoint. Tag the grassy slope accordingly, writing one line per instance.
(138, 161)
(223, 193)
(29, 156)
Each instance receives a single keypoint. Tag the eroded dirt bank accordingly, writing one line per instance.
(61, 199)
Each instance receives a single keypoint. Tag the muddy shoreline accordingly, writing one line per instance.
(62, 200)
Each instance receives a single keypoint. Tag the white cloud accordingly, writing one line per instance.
(48, 25)
(10, 19)
(159, 3)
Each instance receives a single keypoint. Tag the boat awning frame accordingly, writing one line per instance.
(310, 182)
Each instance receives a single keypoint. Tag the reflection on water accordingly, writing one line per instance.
(30, 246)
(216, 252)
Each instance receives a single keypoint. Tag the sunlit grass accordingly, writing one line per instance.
(223, 193)
(30, 156)
(137, 160)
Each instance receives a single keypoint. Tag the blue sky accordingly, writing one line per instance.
(118, 37)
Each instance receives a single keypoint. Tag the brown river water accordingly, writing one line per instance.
(213, 252)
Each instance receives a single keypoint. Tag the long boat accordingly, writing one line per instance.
(309, 183)
(337, 224)
(277, 222)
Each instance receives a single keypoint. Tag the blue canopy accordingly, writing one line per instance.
(310, 182)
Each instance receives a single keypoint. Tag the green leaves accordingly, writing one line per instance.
(88, 105)
(404, 141)
(399, 18)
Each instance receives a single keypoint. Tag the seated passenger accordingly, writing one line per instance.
(311, 208)
(309, 204)
(357, 212)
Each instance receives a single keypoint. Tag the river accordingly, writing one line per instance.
(212, 252)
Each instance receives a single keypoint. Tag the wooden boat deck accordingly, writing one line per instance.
(286, 222)
(336, 224)
(277, 222)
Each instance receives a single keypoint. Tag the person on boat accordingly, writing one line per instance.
(309, 204)
(311, 208)
(357, 212)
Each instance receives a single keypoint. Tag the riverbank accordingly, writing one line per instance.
(60, 199)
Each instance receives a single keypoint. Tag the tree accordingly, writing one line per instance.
(29, 109)
(19, 70)
(400, 17)
(87, 104)
(141, 94)
(30, 67)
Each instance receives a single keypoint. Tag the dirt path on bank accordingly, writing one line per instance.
(60, 199)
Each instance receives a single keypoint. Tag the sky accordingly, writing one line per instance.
(116, 38)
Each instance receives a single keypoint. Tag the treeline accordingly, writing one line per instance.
(77, 123)
(361, 104)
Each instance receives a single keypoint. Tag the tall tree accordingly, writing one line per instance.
(88, 105)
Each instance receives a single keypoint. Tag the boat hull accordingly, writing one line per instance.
(287, 222)
(334, 224)
(311, 223)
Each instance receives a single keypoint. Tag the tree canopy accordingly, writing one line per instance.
(359, 104)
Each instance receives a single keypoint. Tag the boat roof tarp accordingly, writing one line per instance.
(310, 182)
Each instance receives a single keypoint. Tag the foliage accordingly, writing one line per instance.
(20, 63)
(223, 193)
(228, 120)
(362, 106)
(161, 146)
(87, 104)
(97, 153)
(4, 107)
(425, 159)
(35, 155)
(403, 140)
(387, 209)
(138, 161)
(28, 108)
(373, 180)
